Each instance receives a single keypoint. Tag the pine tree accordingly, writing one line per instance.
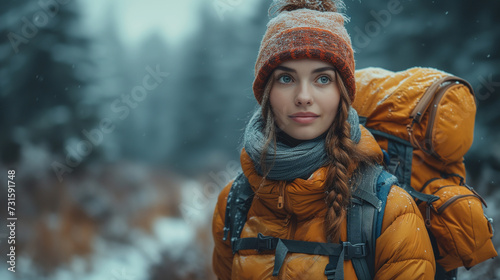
(43, 74)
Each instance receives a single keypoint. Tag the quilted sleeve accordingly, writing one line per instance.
(222, 259)
(403, 249)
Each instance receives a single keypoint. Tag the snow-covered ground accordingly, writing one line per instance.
(174, 247)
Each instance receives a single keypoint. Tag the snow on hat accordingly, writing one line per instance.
(305, 29)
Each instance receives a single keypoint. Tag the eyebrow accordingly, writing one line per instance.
(322, 69)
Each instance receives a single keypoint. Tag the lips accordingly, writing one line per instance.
(304, 117)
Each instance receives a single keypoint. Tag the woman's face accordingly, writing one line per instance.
(304, 97)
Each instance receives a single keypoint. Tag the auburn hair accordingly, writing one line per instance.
(345, 157)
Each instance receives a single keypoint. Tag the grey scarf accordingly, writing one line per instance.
(290, 163)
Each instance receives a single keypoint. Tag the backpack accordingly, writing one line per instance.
(364, 224)
(423, 119)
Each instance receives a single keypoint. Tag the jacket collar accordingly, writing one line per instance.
(304, 198)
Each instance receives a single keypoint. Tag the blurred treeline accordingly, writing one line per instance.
(98, 169)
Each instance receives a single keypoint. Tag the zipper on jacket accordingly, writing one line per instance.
(428, 215)
(291, 224)
(290, 221)
(281, 197)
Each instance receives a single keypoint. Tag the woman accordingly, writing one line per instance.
(303, 152)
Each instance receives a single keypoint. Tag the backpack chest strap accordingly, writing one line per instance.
(343, 251)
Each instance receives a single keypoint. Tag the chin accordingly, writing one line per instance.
(305, 135)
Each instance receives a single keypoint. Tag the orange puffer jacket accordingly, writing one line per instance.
(403, 250)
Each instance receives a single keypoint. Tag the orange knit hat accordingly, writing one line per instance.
(305, 29)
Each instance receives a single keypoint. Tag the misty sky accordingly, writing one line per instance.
(171, 18)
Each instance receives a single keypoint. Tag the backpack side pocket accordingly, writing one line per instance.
(457, 221)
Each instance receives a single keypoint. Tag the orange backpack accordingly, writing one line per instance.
(424, 121)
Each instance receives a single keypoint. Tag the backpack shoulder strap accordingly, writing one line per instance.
(365, 215)
(384, 183)
(239, 201)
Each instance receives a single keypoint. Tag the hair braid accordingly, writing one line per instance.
(337, 183)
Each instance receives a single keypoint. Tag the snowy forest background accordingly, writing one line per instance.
(136, 201)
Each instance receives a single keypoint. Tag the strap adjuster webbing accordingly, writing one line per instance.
(345, 250)
(335, 268)
(330, 270)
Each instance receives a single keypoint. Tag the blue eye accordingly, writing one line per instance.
(324, 80)
(285, 79)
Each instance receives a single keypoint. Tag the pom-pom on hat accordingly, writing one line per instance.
(305, 29)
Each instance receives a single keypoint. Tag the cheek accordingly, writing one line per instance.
(331, 105)
(278, 103)
(334, 107)
(275, 99)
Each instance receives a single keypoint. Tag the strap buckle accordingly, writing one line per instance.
(354, 250)
(330, 271)
(264, 242)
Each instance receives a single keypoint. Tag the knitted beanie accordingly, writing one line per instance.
(305, 29)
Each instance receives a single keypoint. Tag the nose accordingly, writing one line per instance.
(304, 96)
